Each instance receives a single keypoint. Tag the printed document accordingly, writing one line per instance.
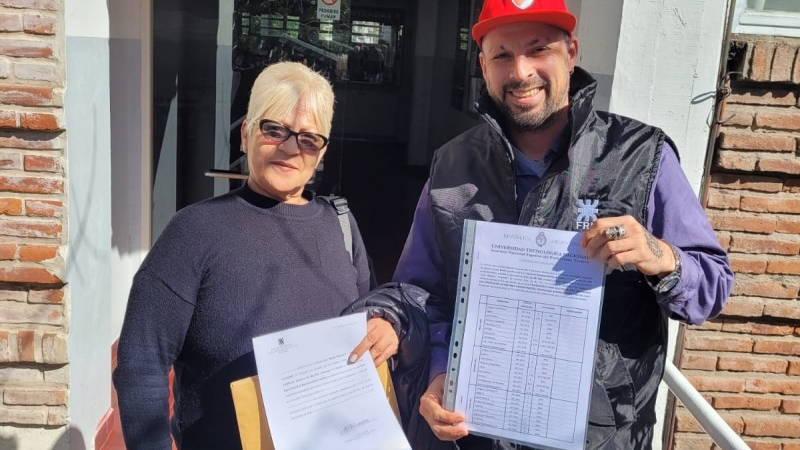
(314, 399)
(524, 338)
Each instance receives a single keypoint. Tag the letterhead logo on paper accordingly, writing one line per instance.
(541, 239)
(587, 213)
(523, 4)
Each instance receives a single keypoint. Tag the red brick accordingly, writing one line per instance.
(39, 122)
(737, 116)
(746, 182)
(33, 314)
(39, 24)
(782, 309)
(745, 402)
(42, 164)
(794, 368)
(747, 263)
(698, 362)
(717, 383)
(760, 286)
(29, 142)
(791, 446)
(771, 203)
(54, 348)
(10, 161)
(782, 62)
(771, 97)
(749, 363)
(5, 347)
(723, 200)
(744, 307)
(758, 141)
(58, 416)
(778, 165)
(35, 275)
(775, 426)
(37, 253)
(778, 120)
(704, 341)
(11, 206)
(760, 445)
(684, 421)
(761, 61)
(51, 296)
(760, 244)
(724, 240)
(26, 95)
(8, 119)
(730, 160)
(759, 328)
(37, 71)
(788, 346)
(26, 350)
(790, 406)
(8, 252)
(790, 226)
(32, 4)
(772, 386)
(35, 397)
(31, 185)
(708, 325)
(786, 266)
(733, 221)
(692, 442)
(19, 416)
(5, 68)
(43, 208)
(26, 48)
(10, 22)
(31, 229)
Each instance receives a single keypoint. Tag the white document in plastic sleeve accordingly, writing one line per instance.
(524, 335)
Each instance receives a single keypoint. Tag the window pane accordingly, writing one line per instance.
(774, 5)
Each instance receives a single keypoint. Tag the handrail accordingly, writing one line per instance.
(708, 418)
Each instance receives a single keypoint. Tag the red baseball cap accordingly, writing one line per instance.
(502, 12)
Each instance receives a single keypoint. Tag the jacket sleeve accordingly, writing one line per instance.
(676, 216)
(403, 305)
(422, 265)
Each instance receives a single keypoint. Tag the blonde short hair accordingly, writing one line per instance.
(280, 87)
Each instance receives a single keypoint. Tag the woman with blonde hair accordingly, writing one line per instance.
(267, 256)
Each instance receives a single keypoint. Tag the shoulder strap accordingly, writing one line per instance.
(340, 205)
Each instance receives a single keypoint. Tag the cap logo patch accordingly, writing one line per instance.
(523, 4)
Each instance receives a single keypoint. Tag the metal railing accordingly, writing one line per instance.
(708, 418)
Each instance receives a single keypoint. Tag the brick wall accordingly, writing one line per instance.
(747, 361)
(34, 381)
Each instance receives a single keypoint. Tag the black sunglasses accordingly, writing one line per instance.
(275, 133)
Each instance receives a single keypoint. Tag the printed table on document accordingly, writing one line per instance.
(527, 361)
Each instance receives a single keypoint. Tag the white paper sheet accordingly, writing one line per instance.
(524, 339)
(314, 399)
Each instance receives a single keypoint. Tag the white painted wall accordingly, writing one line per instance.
(108, 141)
(666, 75)
(87, 113)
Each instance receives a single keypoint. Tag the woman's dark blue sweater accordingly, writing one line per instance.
(222, 272)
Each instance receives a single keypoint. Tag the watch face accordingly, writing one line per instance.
(667, 283)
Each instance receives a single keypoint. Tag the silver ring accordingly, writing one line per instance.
(615, 233)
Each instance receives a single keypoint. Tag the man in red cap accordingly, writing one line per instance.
(546, 158)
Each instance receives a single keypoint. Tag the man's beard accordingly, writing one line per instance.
(529, 119)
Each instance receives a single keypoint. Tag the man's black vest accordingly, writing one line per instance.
(608, 169)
